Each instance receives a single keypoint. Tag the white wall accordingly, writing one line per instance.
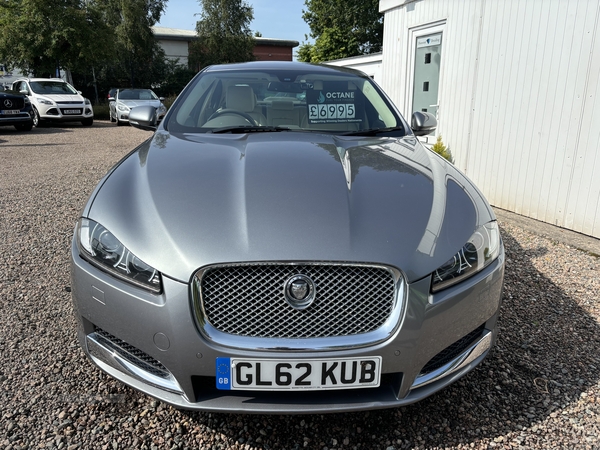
(175, 50)
(368, 64)
(518, 98)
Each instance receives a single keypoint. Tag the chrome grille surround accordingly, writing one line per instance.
(244, 306)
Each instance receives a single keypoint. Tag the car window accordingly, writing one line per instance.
(137, 94)
(52, 87)
(330, 101)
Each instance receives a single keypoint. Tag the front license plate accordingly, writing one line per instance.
(285, 375)
(10, 111)
(72, 111)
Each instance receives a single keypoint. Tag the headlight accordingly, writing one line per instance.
(122, 107)
(481, 249)
(87, 102)
(44, 101)
(27, 101)
(101, 248)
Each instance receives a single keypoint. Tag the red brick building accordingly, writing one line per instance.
(267, 49)
(175, 43)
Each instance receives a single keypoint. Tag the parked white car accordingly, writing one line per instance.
(55, 100)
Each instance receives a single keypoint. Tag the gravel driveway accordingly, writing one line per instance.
(539, 388)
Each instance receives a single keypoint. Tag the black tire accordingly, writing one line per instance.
(37, 121)
(24, 126)
(87, 122)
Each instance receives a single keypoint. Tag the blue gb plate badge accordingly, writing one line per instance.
(224, 373)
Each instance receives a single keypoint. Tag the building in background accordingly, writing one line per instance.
(175, 43)
(515, 88)
(369, 64)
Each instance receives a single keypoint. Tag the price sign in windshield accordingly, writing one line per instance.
(332, 104)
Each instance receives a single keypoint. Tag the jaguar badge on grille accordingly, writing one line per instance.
(299, 291)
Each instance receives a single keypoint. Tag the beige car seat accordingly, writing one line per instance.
(242, 98)
(283, 112)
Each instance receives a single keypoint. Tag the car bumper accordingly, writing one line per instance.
(124, 116)
(15, 119)
(59, 113)
(151, 343)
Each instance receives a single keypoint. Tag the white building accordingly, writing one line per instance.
(175, 42)
(515, 86)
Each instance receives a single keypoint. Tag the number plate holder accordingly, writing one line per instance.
(253, 374)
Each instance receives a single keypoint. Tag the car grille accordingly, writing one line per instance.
(249, 300)
(132, 354)
(16, 103)
(452, 351)
(69, 103)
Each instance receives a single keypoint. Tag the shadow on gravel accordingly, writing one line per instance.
(7, 132)
(547, 354)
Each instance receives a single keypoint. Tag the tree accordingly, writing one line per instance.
(137, 52)
(40, 36)
(341, 28)
(224, 34)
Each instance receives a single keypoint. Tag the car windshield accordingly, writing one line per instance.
(137, 94)
(306, 98)
(52, 87)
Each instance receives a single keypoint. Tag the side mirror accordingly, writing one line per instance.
(423, 123)
(162, 99)
(111, 99)
(143, 117)
(24, 92)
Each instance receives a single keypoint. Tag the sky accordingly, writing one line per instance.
(274, 19)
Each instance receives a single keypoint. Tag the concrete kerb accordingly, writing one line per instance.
(580, 241)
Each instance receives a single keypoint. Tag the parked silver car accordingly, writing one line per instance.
(277, 254)
(125, 99)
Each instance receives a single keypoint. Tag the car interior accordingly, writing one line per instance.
(223, 102)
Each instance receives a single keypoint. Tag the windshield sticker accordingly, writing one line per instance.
(332, 105)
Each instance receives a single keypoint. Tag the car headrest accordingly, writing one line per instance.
(240, 98)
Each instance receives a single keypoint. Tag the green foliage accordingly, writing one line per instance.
(101, 112)
(341, 28)
(440, 148)
(224, 33)
(175, 78)
(37, 35)
(104, 43)
(137, 59)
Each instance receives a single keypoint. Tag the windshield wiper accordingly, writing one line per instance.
(374, 131)
(247, 129)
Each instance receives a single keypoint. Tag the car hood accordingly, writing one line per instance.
(180, 202)
(134, 103)
(63, 97)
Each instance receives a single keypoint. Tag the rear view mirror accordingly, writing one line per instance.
(423, 123)
(278, 86)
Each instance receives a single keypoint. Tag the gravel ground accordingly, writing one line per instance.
(539, 387)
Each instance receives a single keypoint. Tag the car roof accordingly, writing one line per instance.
(41, 79)
(284, 65)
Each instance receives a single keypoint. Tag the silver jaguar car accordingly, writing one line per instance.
(126, 99)
(284, 244)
